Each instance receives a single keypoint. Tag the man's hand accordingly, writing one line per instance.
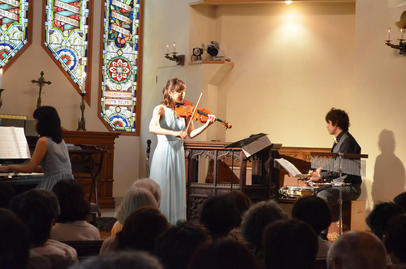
(315, 175)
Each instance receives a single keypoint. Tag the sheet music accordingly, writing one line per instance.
(289, 167)
(13, 144)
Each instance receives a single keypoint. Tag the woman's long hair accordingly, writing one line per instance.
(49, 123)
(172, 85)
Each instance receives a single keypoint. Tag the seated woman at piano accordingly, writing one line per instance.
(51, 154)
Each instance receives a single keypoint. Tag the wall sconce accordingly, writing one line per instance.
(402, 41)
(179, 59)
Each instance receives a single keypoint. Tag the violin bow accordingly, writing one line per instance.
(194, 111)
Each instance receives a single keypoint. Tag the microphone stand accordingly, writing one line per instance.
(147, 157)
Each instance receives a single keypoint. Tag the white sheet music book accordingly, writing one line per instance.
(289, 167)
(13, 144)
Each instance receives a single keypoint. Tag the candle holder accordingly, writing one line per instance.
(401, 46)
(82, 121)
(1, 101)
(179, 59)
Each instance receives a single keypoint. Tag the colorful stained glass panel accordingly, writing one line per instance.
(120, 59)
(66, 36)
(14, 32)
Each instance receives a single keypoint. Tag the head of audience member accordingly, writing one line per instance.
(150, 185)
(223, 254)
(176, 245)
(37, 209)
(120, 260)
(141, 229)
(71, 201)
(400, 200)
(379, 217)
(289, 244)
(7, 192)
(257, 218)
(314, 211)
(48, 123)
(395, 239)
(14, 243)
(219, 215)
(357, 250)
(241, 201)
(134, 198)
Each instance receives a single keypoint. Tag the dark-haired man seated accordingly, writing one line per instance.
(337, 125)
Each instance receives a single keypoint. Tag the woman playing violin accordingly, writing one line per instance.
(168, 162)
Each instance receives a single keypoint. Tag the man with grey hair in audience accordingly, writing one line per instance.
(121, 259)
(357, 250)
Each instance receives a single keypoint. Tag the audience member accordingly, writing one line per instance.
(176, 245)
(400, 200)
(241, 201)
(7, 192)
(150, 185)
(395, 241)
(379, 217)
(71, 224)
(219, 215)
(38, 209)
(120, 260)
(315, 212)
(256, 219)
(289, 244)
(14, 243)
(223, 254)
(134, 198)
(140, 231)
(357, 250)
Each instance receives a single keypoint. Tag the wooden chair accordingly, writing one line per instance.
(85, 248)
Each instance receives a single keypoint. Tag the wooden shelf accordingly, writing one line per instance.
(217, 62)
(224, 2)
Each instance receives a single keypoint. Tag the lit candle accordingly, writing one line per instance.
(174, 46)
(388, 33)
(167, 49)
(84, 82)
(1, 76)
(401, 33)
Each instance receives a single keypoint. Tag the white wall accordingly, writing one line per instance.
(379, 99)
(20, 96)
(292, 63)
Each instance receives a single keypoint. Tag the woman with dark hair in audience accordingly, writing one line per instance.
(38, 209)
(315, 212)
(219, 215)
(139, 232)
(255, 221)
(380, 216)
(400, 200)
(14, 243)
(71, 224)
(223, 254)
(51, 154)
(289, 244)
(395, 241)
(176, 245)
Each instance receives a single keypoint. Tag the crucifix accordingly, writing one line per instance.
(41, 81)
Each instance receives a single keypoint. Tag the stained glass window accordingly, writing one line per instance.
(16, 25)
(121, 65)
(66, 39)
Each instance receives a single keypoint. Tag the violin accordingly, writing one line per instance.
(185, 110)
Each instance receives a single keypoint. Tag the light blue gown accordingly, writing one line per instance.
(168, 168)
